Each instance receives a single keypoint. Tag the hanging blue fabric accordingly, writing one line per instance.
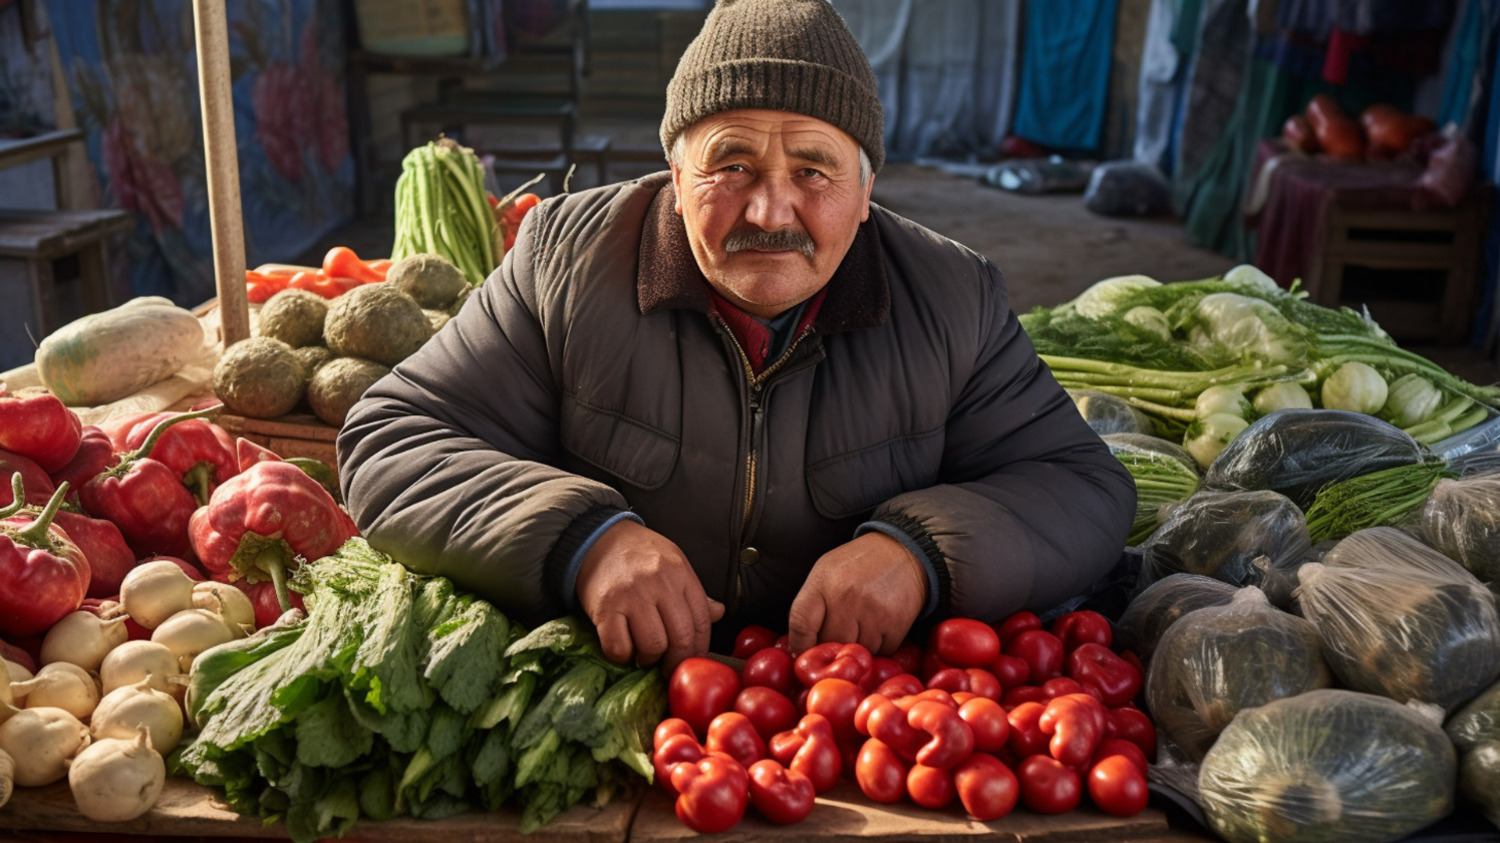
(1065, 64)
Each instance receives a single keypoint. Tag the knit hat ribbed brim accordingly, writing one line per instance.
(784, 55)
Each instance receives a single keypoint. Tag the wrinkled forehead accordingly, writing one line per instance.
(753, 132)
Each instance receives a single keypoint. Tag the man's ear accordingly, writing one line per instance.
(676, 188)
(869, 187)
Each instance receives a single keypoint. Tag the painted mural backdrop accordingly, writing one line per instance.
(131, 69)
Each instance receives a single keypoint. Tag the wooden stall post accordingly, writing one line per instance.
(222, 166)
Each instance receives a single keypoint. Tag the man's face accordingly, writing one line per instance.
(771, 201)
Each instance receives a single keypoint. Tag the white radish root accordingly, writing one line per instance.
(191, 632)
(115, 780)
(41, 742)
(124, 711)
(133, 661)
(60, 685)
(226, 600)
(18, 673)
(84, 639)
(155, 591)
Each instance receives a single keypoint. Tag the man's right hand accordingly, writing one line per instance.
(644, 597)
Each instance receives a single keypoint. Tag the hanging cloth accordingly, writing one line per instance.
(1162, 67)
(1065, 64)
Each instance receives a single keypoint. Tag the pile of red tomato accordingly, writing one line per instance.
(987, 715)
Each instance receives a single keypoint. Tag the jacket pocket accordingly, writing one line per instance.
(640, 455)
(846, 485)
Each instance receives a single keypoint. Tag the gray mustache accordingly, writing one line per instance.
(780, 239)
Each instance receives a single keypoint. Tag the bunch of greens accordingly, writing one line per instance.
(1159, 346)
(1164, 474)
(441, 209)
(1378, 499)
(398, 695)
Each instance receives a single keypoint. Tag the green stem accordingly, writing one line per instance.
(1163, 410)
(162, 427)
(198, 480)
(18, 488)
(35, 533)
(271, 561)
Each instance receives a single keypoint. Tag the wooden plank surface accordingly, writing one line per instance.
(187, 809)
(844, 815)
(45, 145)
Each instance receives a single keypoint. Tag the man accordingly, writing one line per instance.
(741, 393)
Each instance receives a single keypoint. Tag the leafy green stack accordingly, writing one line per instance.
(442, 209)
(398, 695)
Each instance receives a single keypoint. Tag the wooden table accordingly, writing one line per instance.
(17, 151)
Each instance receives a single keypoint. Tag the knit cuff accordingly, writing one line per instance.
(921, 546)
(566, 558)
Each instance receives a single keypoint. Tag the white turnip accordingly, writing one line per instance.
(83, 638)
(155, 591)
(60, 685)
(191, 632)
(115, 780)
(125, 710)
(17, 672)
(133, 661)
(7, 696)
(41, 742)
(227, 601)
(7, 776)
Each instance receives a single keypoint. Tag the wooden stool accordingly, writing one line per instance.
(1446, 241)
(30, 242)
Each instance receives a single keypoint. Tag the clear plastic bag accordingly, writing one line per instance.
(1220, 535)
(1298, 452)
(1106, 413)
(1328, 765)
(1127, 189)
(1401, 620)
(1280, 584)
(1164, 475)
(1475, 731)
(1461, 518)
(1154, 610)
(1215, 662)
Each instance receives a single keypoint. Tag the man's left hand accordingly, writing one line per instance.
(868, 591)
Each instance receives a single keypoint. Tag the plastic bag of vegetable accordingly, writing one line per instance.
(1164, 474)
(1215, 662)
(1106, 413)
(1126, 189)
(1298, 452)
(1220, 534)
(1402, 620)
(1154, 610)
(1280, 583)
(1461, 518)
(1328, 765)
(1475, 731)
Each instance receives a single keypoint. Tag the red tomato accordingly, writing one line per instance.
(1026, 736)
(768, 710)
(880, 774)
(1120, 746)
(1048, 786)
(903, 685)
(931, 664)
(909, 656)
(811, 750)
(769, 668)
(929, 787)
(702, 689)
(1133, 725)
(1084, 627)
(781, 795)
(881, 669)
(751, 640)
(1041, 651)
(674, 750)
(832, 660)
(949, 679)
(1015, 625)
(984, 684)
(734, 735)
(1022, 694)
(1118, 787)
(1061, 685)
(986, 787)
(713, 793)
(837, 700)
(1010, 670)
(989, 722)
(963, 642)
(669, 727)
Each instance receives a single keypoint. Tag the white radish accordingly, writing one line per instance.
(41, 742)
(155, 591)
(125, 710)
(83, 638)
(7, 698)
(133, 661)
(191, 632)
(226, 600)
(115, 780)
(61, 685)
(7, 776)
(18, 673)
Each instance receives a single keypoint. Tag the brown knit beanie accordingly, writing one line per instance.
(785, 55)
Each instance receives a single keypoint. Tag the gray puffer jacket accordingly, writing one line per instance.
(591, 374)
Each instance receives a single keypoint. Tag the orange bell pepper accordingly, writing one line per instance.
(342, 262)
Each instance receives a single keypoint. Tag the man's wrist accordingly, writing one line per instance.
(929, 571)
(579, 539)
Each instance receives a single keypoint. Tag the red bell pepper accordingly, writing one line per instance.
(811, 750)
(342, 262)
(102, 543)
(1076, 628)
(879, 772)
(36, 424)
(850, 662)
(39, 486)
(1026, 737)
(783, 796)
(674, 750)
(96, 454)
(989, 723)
(248, 453)
(713, 793)
(43, 574)
(193, 449)
(733, 734)
(1075, 733)
(1016, 624)
(1095, 666)
(950, 738)
(259, 522)
(879, 718)
(145, 497)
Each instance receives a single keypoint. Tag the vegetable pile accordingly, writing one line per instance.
(1007, 713)
(397, 695)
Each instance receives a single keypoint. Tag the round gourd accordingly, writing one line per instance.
(106, 356)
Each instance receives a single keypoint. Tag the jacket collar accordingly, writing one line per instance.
(668, 277)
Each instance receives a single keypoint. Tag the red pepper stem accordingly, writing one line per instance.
(35, 533)
(270, 561)
(161, 428)
(18, 488)
(197, 480)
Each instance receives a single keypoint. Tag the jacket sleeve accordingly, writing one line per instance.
(1033, 508)
(447, 462)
